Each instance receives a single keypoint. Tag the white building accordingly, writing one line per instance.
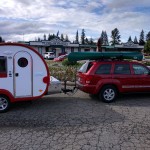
(60, 47)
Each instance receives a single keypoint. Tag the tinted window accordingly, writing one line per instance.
(103, 69)
(139, 70)
(122, 69)
(3, 68)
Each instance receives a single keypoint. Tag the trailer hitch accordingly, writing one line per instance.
(68, 90)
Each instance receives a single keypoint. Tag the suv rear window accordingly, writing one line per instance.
(104, 69)
(122, 69)
(85, 67)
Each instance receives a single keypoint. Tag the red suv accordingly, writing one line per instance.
(109, 78)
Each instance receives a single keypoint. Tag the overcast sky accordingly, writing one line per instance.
(30, 19)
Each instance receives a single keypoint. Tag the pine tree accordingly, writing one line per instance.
(39, 39)
(104, 38)
(135, 40)
(57, 34)
(147, 46)
(129, 39)
(141, 39)
(66, 38)
(83, 36)
(44, 37)
(91, 41)
(77, 38)
(62, 37)
(148, 36)
(1, 40)
(86, 41)
(115, 37)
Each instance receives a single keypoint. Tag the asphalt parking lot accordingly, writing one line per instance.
(79, 122)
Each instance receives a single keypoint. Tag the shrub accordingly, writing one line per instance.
(69, 63)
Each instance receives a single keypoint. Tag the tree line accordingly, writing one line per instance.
(103, 39)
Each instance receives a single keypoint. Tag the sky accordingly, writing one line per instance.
(26, 20)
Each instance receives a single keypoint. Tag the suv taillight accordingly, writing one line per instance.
(88, 80)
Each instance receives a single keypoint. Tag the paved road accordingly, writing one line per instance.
(78, 122)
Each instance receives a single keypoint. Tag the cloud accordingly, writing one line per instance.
(36, 18)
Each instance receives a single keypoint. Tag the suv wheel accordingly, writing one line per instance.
(108, 94)
(4, 103)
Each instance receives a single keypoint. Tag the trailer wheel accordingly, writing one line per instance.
(108, 94)
(4, 103)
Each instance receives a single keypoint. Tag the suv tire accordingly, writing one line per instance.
(108, 94)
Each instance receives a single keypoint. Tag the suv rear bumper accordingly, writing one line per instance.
(86, 88)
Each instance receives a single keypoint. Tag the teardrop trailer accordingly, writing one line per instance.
(24, 75)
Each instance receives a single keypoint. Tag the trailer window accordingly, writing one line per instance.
(3, 67)
(22, 62)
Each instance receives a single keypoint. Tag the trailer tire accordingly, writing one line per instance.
(4, 103)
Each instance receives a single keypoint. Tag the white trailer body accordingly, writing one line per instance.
(24, 74)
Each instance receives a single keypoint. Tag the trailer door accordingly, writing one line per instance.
(23, 75)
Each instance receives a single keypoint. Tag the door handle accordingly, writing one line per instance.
(16, 74)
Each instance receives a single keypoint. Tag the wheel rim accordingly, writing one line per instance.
(3, 103)
(109, 94)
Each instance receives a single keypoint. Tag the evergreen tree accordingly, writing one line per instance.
(39, 39)
(135, 40)
(129, 39)
(104, 38)
(83, 36)
(86, 41)
(51, 36)
(115, 37)
(141, 39)
(57, 34)
(44, 37)
(148, 36)
(147, 46)
(1, 40)
(91, 41)
(62, 37)
(66, 38)
(77, 38)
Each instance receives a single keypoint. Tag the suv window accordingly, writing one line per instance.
(104, 69)
(122, 69)
(85, 67)
(139, 69)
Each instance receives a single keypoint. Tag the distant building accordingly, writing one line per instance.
(128, 46)
(60, 47)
